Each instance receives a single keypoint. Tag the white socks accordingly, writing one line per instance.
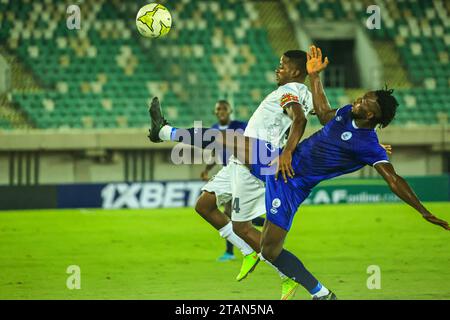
(228, 233)
(165, 133)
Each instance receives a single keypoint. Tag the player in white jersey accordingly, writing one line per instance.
(279, 120)
(285, 108)
(270, 121)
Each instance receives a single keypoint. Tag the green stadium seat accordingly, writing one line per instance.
(190, 84)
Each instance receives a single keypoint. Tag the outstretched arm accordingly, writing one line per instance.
(314, 66)
(401, 188)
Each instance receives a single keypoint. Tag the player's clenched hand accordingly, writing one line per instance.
(284, 164)
(314, 63)
(387, 147)
(430, 218)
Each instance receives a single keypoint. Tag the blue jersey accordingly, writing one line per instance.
(340, 147)
(233, 125)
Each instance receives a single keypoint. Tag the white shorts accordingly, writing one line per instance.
(235, 182)
(248, 194)
(220, 184)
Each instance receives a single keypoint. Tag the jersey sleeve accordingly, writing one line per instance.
(343, 110)
(288, 94)
(372, 154)
(294, 93)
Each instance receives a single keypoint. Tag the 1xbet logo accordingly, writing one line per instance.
(151, 194)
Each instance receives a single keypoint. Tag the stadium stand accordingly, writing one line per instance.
(87, 75)
(419, 30)
(103, 75)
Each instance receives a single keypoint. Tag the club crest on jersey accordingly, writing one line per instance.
(276, 203)
(338, 118)
(287, 98)
(347, 135)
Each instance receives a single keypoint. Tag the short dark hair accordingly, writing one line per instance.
(388, 106)
(223, 101)
(298, 57)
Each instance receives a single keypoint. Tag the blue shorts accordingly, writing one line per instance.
(282, 199)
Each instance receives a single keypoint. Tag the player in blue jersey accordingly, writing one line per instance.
(223, 111)
(207, 203)
(345, 144)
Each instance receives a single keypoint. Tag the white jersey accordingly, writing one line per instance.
(270, 122)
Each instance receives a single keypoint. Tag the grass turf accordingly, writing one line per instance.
(170, 254)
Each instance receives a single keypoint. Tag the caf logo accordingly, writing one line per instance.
(347, 135)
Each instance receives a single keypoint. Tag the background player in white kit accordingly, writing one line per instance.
(285, 108)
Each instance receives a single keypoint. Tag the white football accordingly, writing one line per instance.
(153, 20)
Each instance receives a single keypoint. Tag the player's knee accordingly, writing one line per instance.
(199, 207)
(202, 208)
(270, 250)
(205, 205)
(269, 253)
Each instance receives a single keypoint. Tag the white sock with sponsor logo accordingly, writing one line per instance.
(282, 276)
(165, 133)
(228, 233)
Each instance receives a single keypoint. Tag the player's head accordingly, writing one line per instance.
(292, 67)
(223, 110)
(377, 107)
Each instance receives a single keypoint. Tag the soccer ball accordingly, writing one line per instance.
(153, 20)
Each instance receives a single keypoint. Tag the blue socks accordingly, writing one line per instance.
(195, 136)
(292, 267)
(229, 247)
(316, 289)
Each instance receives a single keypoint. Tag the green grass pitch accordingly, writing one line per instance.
(170, 254)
